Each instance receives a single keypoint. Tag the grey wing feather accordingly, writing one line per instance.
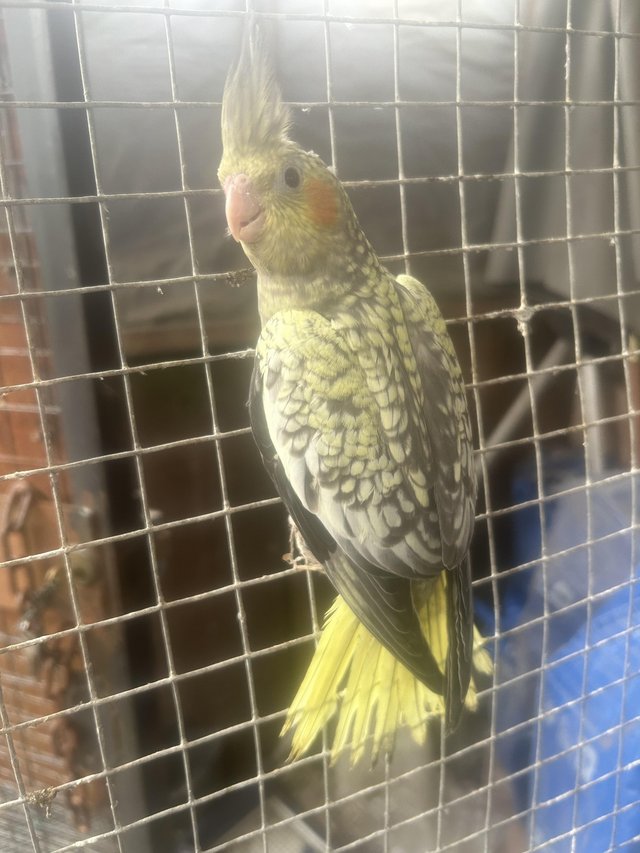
(460, 633)
(447, 419)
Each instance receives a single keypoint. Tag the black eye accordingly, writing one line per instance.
(292, 177)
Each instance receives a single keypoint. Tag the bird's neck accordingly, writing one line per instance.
(347, 274)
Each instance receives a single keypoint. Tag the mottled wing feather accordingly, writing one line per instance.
(383, 604)
(327, 428)
(446, 417)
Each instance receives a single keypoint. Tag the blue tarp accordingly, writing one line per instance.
(570, 649)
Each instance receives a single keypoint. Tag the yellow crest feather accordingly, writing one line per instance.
(253, 114)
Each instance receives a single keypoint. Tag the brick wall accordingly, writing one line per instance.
(35, 683)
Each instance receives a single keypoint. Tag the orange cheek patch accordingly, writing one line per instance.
(323, 203)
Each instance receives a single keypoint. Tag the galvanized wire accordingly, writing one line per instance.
(217, 438)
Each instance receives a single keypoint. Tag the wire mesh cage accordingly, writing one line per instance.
(153, 628)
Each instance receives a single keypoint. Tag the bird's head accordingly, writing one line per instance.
(282, 203)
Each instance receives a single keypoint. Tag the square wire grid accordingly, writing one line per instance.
(327, 17)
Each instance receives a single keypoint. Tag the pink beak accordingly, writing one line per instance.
(245, 216)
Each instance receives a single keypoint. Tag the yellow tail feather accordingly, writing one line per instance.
(352, 674)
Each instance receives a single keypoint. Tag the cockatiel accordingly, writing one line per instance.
(358, 407)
